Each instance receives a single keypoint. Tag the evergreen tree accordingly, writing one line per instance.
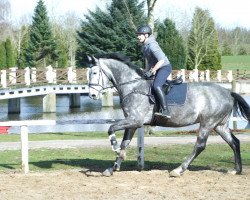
(172, 44)
(21, 57)
(42, 47)
(203, 47)
(10, 55)
(63, 57)
(226, 50)
(111, 31)
(2, 56)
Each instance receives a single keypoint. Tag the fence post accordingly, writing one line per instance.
(230, 76)
(33, 75)
(219, 75)
(27, 76)
(71, 75)
(50, 74)
(140, 146)
(3, 78)
(183, 75)
(207, 75)
(25, 149)
(195, 75)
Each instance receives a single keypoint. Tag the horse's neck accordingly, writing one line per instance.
(127, 79)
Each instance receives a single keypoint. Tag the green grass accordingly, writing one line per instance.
(215, 157)
(235, 62)
(90, 135)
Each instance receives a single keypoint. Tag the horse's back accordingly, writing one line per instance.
(204, 102)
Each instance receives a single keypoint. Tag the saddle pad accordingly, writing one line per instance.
(177, 94)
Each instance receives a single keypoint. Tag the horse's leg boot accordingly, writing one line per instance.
(164, 112)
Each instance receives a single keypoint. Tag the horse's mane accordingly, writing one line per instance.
(120, 57)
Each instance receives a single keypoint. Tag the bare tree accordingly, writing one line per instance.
(151, 7)
(65, 28)
(5, 27)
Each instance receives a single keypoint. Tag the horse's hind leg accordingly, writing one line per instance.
(121, 155)
(200, 145)
(234, 143)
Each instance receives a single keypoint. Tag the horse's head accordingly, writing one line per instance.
(97, 79)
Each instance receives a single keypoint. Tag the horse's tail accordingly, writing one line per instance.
(239, 102)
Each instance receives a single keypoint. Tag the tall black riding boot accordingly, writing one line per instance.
(161, 98)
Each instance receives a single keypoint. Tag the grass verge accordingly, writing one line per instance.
(215, 157)
(93, 135)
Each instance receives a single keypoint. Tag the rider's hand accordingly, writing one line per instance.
(148, 74)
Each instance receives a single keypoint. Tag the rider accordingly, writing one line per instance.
(157, 63)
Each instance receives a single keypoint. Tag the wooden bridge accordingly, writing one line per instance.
(17, 83)
(31, 77)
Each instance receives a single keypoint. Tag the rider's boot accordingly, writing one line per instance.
(161, 98)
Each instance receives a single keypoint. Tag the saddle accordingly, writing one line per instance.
(169, 84)
(175, 91)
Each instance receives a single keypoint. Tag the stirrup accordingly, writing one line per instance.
(163, 113)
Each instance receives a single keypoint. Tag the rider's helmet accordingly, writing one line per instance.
(144, 29)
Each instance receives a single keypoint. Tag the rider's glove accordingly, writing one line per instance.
(148, 74)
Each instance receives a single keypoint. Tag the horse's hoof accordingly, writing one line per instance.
(233, 172)
(108, 172)
(174, 173)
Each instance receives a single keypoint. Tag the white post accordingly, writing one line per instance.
(219, 75)
(50, 75)
(27, 76)
(24, 149)
(33, 75)
(3, 78)
(207, 75)
(71, 75)
(195, 75)
(230, 76)
(183, 75)
(140, 146)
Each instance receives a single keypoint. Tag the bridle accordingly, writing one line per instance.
(110, 78)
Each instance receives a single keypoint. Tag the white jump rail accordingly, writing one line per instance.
(24, 136)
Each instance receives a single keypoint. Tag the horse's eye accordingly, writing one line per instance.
(94, 73)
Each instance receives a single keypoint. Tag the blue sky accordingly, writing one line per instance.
(228, 14)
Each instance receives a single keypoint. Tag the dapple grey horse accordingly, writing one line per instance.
(207, 104)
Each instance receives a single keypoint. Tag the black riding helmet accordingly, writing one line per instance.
(145, 29)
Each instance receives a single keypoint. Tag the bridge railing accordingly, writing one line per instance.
(14, 77)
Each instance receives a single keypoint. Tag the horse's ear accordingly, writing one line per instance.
(91, 60)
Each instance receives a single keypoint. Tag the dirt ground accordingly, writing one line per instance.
(154, 184)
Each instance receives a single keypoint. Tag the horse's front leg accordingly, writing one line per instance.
(121, 125)
(121, 154)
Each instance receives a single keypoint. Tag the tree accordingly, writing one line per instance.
(172, 44)
(150, 16)
(203, 50)
(226, 50)
(2, 56)
(10, 54)
(42, 48)
(22, 46)
(111, 30)
(65, 31)
(242, 51)
(5, 11)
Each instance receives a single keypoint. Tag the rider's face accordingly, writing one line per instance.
(142, 37)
